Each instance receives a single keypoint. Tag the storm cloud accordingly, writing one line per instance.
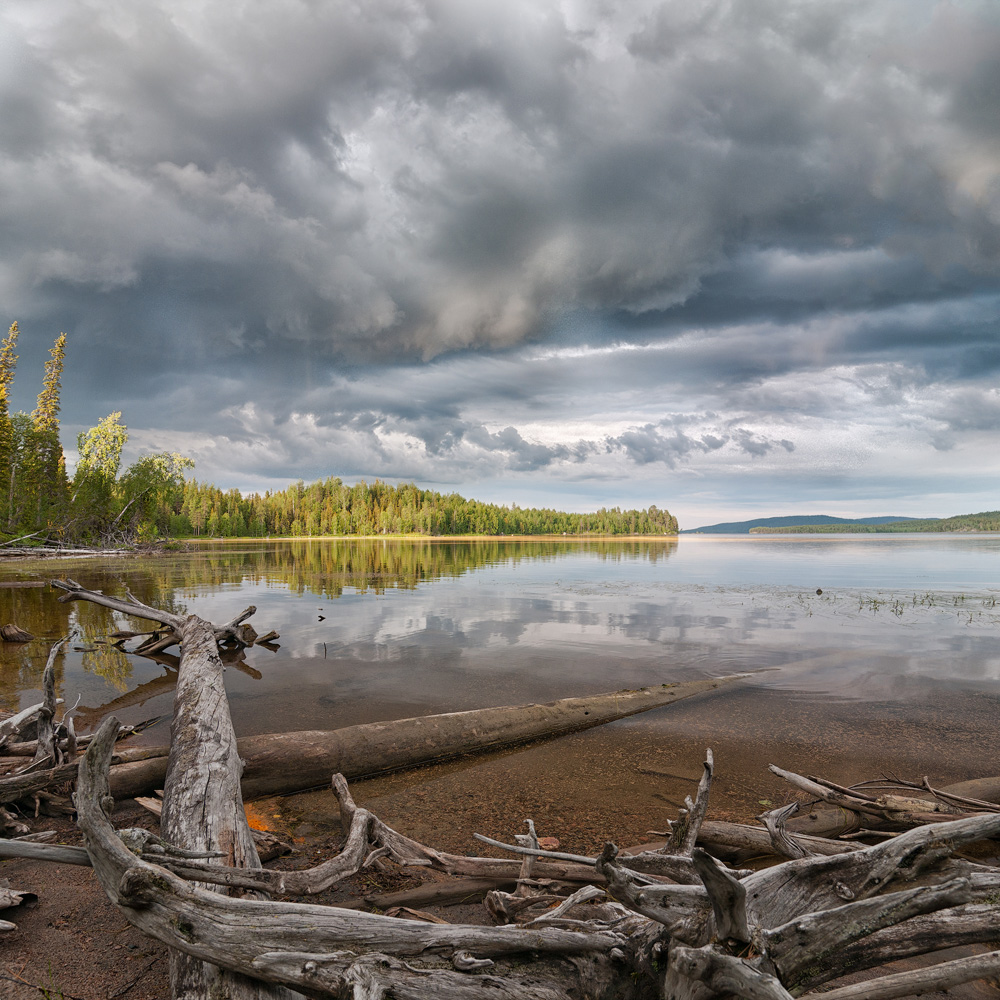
(713, 255)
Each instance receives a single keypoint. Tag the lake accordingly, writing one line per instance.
(866, 655)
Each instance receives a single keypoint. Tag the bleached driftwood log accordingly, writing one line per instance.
(202, 801)
(281, 763)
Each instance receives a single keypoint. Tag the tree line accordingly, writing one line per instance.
(987, 520)
(332, 507)
(100, 504)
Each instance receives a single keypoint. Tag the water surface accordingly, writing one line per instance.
(866, 655)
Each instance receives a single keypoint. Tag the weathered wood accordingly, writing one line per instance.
(781, 843)
(47, 749)
(72, 591)
(281, 763)
(238, 934)
(455, 891)
(743, 837)
(12, 725)
(757, 935)
(804, 947)
(15, 786)
(9, 898)
(777, 895)
(918, 981)
(202, 802)
(684, 834)
(697, 969)
(12, 633)
(269, 846)
(905, 810)
(728, 897)
(64, 854)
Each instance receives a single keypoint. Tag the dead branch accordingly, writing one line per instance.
(900, 810)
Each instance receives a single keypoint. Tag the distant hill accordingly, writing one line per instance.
(988, 520)
(802, 521)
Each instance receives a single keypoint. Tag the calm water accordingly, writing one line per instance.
(895, 666)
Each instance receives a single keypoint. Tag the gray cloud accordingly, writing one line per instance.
(450, 241)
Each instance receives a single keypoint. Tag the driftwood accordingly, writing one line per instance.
(798, 921)
(673, 922)
(228, 633)
(12, 633)
(281, 763)
(202, 803)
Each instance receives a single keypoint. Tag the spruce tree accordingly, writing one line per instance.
(48, 473)
(8, 362)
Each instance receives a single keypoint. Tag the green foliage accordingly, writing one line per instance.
(330, 507)
(138, 505)
(8, 362)
(17, 494)
(46, 413)
(149, 492)
(985, 521)
(152, 499)
(94, 501)
(100, 449)
(44, 478)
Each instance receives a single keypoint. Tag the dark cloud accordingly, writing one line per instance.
(441, 238)
(668, 443)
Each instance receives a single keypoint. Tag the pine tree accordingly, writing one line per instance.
(48, 473)
(46, 414)
(8, 361)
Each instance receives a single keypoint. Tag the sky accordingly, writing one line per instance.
(735, 259)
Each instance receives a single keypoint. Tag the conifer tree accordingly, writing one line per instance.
(48, 467)
(8, 361)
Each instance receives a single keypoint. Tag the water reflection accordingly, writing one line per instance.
(376, 628)
(213, 578)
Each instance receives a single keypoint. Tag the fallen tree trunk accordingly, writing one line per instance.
(281, 763)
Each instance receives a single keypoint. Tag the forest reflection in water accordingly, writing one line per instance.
(894, 666)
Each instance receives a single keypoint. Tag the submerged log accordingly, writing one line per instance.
(280, 763)
(13, 633)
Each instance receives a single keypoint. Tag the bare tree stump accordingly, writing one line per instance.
(11, 633)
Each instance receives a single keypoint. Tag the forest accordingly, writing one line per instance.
(985, 521)
(103, 505)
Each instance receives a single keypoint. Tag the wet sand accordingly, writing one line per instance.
(622, 780)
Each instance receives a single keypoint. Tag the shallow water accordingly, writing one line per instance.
(894, 667)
